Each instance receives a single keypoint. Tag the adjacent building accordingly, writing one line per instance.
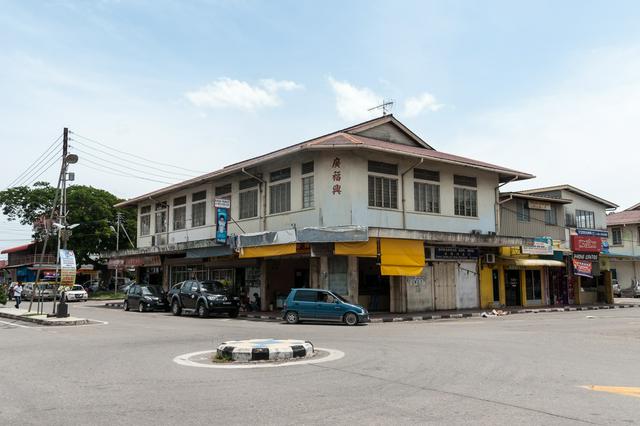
(624, 246)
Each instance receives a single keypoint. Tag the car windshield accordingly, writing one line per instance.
(77, 288)
(342, 299)
(212, 287)
(150, 291)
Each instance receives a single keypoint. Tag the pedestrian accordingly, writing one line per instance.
(17, 294)
(255, 306)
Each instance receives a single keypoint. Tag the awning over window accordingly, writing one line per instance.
(360, 249)
(401, 257)
(267, 251)
(531, 262)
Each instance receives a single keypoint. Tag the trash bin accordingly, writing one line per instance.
(63, 310)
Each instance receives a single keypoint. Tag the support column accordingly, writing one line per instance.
(264, 303)
(324, 272)
(166, 279)
(314, 272)
(352, 278)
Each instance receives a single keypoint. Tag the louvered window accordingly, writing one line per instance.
(465, 181)
(383, 168)
(383, 192)
(426, 197)
(424, 174)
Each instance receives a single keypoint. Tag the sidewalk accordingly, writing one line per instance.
(9, 311)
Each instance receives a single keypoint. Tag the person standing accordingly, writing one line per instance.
(17, 294)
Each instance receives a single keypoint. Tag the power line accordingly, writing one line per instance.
(120, 165)
(120, 174)
(36, 161)
(54, 159)
(127, 160)
(137, 156)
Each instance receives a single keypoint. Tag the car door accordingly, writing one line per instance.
(188, 294)
(133, 297)
(304, 303)
(328, 307)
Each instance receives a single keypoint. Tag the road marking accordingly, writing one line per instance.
(185, 360)
(620, 390)
(14, 324)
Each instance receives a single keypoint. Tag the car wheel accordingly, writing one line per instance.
(125, 305)
(292, 317)
(175, 308)
(233, 314)
(140, 307)
(350, 318)
(203, 312)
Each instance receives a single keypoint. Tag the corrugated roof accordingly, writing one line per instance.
(626, 217)
(575, 190)
(16, 249)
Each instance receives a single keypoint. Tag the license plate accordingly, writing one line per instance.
(226, 303)
(78, 296)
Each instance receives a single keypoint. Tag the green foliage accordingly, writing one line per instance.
(92, 208)
(3, 295)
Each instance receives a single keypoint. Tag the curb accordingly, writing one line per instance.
(114, 305)
(265, 350)
(42, 321)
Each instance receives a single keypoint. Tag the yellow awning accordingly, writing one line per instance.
(531, 262)
(359, 248)
(401, 257)
(267, 251)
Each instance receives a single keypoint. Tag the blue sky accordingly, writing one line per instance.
(550, 88)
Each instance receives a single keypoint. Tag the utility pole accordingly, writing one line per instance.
(118, 220)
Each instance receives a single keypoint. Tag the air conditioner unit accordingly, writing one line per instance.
(491, 233)
(476, 232)
(489, 258)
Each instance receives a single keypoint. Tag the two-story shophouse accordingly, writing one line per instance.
(588, 278)
(624, 246)
(372, 212)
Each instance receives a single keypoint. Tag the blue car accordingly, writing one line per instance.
(304, 304)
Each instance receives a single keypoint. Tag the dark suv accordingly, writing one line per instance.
(203, 298)
(145, 298)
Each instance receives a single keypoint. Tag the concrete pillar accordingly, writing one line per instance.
(397, 295)
(264, 288)
(324, 272)
(352, 278)
(166, 278)
(608, 288)
(314, 272)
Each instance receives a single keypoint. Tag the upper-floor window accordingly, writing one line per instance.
(179, 213)
(465, 200)
(145, 220)
(616, 236)
(280, 192)
(161, 217)
(307, 185)
(198, 208)
(585, 219)
(550, 216)
(426, 196)
(383, 190)
(524, 214)
(248, 198)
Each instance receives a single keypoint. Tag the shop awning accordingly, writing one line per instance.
(531, 262)
(268, 251)
(401, 257)
(360, 249)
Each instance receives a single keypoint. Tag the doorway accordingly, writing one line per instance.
(512, 288)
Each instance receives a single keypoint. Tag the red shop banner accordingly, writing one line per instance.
(586, 244)
(582, 268)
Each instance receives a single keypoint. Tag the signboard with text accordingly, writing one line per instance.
(540, 245)
(221, 225)
(224, 203)
(456, 253)
(586, 244)
(67, 268)
(583, 268)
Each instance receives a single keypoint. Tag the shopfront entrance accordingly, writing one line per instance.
(373, 291)
(512, 288)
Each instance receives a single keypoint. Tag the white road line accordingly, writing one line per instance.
(15, 325)
(185, 360)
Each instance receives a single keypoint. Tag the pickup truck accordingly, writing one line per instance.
(202, 298)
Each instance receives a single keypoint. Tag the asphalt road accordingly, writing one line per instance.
(522, 369)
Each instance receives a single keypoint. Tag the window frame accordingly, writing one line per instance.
(523, 211)
(465, 190)
(420, 193)
(308, 190)
(241, 204)
(161, 208)
(613, 236)
(198, 203)
(385, 180)
(179, 207)
(145, 215)
(584, 218)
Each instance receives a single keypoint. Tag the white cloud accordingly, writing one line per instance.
(230, 93)
(354, 102)
(415, 105)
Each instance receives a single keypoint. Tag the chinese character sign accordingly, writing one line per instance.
(336, 177)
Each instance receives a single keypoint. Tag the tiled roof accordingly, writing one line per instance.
(626, 217)
(16, 249)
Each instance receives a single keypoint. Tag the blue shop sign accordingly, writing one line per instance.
(592, 232)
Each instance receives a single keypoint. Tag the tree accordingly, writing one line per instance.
(90, 207)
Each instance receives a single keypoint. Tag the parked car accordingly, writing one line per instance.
(632, 291)
(145, 298)
(305, 304)
(74, 293)
(45, 291)
(174, 290)
(91, 286)
(204, 298)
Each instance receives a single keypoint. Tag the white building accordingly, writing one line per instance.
(624, 242)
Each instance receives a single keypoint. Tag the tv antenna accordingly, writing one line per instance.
(385, 106)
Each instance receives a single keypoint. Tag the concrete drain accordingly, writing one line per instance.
(259, 353)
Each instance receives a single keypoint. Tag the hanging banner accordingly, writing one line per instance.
(540, 245)
(221, 225)
(67, 268)
(582, 268)
(586, 244)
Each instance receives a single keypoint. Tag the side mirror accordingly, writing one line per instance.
(337, 302)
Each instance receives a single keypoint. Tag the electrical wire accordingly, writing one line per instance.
(117, 165)
(137, 156)
(127, 160)
(54, 159)
(28, 169)
(35, 166)
(119, 174)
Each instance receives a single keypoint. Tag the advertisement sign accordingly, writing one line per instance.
(456, 253)
(592, 233)
(221, 225)
(67, 268)
(223, 203)
(591, 257)
(539, 205)
(541, 246)
(586, 244)
(582, 268)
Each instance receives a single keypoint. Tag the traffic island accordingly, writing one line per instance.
(40, 319)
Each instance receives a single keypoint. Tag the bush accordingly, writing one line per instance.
(3, 296)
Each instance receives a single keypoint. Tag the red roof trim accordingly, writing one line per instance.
(18, 248)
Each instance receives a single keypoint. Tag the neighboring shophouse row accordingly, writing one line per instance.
(372, 212)
(624, 243)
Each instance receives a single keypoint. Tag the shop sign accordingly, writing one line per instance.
(115, 264)
(586, 244)
(456, 253)
(223, 203)
(582, 268)
(592, 233)
(336, 177)
(67, 268)
(142, 261)
(541, 246)
(539, 205)
(221, 225)
(591, 257)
